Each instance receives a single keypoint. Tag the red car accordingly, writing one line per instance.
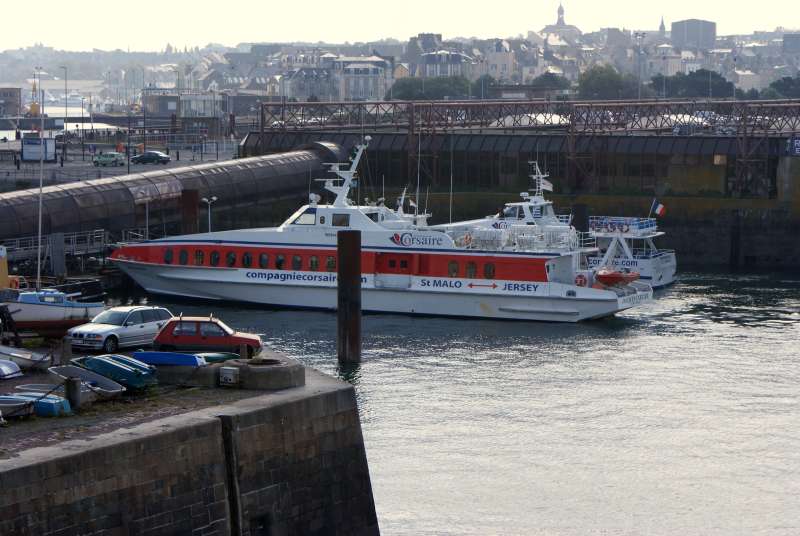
(208, 334)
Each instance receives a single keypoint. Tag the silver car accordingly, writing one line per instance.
(120, 327)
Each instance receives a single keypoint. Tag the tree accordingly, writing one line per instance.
(550, 82)
(603, 82)
(429, 88)
(480, 87)
(787, 87)
(698, 84)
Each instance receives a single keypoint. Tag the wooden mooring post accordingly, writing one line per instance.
(348, 245)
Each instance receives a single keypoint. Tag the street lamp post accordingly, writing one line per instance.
(83, 154)
(639, 36)
(65, 111)
(209, 202)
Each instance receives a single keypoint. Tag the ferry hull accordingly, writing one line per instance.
(201, 284)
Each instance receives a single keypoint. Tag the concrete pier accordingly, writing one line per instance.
(282, 462)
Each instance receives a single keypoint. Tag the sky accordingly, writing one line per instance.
(150, 24)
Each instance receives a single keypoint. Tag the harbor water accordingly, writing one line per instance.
(679, 417)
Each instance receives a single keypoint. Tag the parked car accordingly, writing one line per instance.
(151, 157)
(109, 159)
(119, 327)
(204, 334)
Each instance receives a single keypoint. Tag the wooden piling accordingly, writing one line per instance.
(348, 244)
(72, 390)
(66, 350)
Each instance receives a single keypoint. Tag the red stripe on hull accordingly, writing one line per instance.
(464, 265)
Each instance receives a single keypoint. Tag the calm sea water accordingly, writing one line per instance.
(681, 417)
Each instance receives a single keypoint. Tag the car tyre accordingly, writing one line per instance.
(110, 345)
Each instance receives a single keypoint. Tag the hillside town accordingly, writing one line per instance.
(555, 61)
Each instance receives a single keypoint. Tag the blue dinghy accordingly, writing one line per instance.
(133, 377)
(170, 359)
(46, 405)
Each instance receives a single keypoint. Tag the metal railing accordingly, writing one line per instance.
(81, 243)
(612, 224)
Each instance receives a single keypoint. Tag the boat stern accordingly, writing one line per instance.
(633, 294)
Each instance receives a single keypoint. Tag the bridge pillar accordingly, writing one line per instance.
(190, 211)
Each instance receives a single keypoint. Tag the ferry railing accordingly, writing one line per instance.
(566, 219)
(650, 253)
(611, 224)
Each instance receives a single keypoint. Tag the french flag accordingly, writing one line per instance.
(658, 208)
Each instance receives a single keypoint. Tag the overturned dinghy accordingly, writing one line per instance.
(131, 373)
(9, 369)
(26, 359)
(15, 406)
(94, 386)
(45, 405)
(170, 359)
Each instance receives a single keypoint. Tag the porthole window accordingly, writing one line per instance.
(322, 220)
(297, 262)
(214, 258)
(247, 259)
(263, 261)
(168, 256)
(313, 263)
(452, 269)
(279, 261)
(392, 263)
(488, 270)
(471, 270)
(403, 264)
(330, 264)
(183, 257)
(199, 257)
(230, 259)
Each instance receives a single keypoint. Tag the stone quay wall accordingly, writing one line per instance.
(288, 462)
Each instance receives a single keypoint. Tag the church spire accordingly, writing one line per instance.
(662, 29)
(560, 14)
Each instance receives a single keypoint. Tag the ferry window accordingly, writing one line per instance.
(392, 263)
(313, 263)
(309, 217)
(263, 261)
(452, 269)
(322, 220)
(373, 216)
(471, 270)
(403, 264)
(230, 259)
(510, 212)
(199, 257)
(488, 270)
(214, 258)
(183, 256)
(341, 220)
(330, 264)
(279, 260)
(168, 256)
(297, 262)
(247, 259)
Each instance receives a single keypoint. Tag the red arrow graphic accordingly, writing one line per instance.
(472, 285)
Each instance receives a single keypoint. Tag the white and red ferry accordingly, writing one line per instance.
(624, 245)
(492, 273)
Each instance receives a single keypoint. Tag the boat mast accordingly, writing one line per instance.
(41, 180)
(419, 158)
(345, 175)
